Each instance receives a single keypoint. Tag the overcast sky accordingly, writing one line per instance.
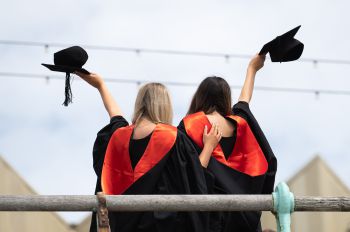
(50, 145)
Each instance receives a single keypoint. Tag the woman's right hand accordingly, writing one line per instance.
(255, 64)
(212, 138)
(96, 81)
(93, 79)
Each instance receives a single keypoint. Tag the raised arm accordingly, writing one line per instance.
(96, 81)
(256, 63)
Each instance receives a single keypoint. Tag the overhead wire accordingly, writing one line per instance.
(172, 52)
(177, 83)
(226, 56)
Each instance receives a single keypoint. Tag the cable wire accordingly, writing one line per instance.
(226, 56)
(193, 84)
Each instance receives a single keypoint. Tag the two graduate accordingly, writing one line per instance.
(215, 150)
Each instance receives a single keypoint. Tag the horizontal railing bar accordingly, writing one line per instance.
(194, 203)
(166, 203)
(48, 203)
(330, 204)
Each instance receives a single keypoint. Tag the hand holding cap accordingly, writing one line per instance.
(284, 48)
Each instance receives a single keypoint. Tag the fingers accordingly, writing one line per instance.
(82, 75)
(219, 136)
(257, 62)
(78, 73)
(212, 138)
(215, 131)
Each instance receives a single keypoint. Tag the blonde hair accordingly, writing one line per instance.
(153, 102)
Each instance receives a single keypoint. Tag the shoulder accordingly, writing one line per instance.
(115, 123)
(241, 105)
(119, 121)
(164, 133)
(242, 109)
(194, 121)
(184, 146)
(194, 116)
(166, 129)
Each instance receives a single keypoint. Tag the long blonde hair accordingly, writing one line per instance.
(153, 102)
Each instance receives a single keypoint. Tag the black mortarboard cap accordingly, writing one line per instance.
(69, 60)
(284, 48)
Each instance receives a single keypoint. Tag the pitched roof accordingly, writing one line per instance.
(318, 174)
(13, 183)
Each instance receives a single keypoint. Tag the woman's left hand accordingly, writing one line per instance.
(212, 138)
(257, 62)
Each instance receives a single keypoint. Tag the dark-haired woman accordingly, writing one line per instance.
(243, 162)
(148, 157)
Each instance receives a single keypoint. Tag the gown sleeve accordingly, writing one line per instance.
(209, 177)
(187, 167)
(102, 140)
(242, 109)
(182, 174)
(98, 153)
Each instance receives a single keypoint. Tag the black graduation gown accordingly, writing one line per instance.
(178, 172)
(222, 179)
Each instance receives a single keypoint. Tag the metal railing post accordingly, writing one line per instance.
(283, 202)
(102, 213)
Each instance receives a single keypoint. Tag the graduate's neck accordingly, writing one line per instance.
(143, 128)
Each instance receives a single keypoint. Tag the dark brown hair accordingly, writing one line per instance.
(213, 94)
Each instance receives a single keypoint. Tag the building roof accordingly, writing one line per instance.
(14, 184)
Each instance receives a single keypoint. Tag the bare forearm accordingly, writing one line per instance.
(97, 82)
(248, 86)
(255, 64)
(205, 155)
(110, 104)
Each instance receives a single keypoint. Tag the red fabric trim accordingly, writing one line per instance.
(246, 157)
(117, 172)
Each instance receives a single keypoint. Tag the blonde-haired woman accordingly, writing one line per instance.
(148, 157)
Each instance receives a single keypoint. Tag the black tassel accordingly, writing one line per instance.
(67, 91)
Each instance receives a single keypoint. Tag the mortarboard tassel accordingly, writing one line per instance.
(67, 91)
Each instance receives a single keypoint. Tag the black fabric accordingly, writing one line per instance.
(100, 145)
(242, 109)
(67, 91)
(284, 48)
(227, 144)
(179, 172)
(136, 149)
(69, 60)
(222, 179)
(102, 140)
